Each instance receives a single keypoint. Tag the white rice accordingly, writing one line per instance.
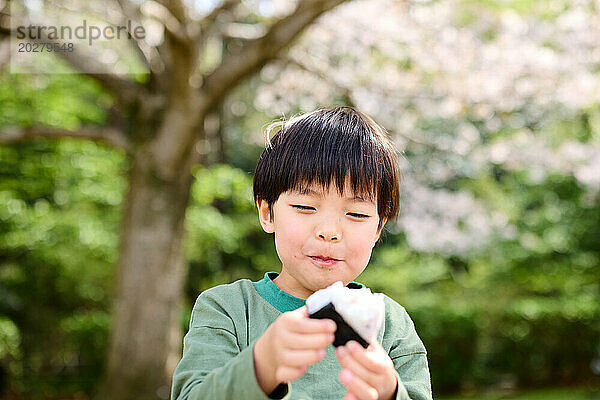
(361, 309)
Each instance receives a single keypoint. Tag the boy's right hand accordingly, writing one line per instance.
(289, 346)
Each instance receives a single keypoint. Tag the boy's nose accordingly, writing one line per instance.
(329, 229)
(329, 236)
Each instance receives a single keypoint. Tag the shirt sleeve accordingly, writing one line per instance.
(213, 365)
(410, 359)
(416, 382)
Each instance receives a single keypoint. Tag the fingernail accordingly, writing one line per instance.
(346, 375)
(341, 351)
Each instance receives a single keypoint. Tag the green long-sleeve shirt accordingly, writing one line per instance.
(227, 320)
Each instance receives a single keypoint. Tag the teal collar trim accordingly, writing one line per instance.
(281, 300)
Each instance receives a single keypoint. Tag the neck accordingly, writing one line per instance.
(282, 283)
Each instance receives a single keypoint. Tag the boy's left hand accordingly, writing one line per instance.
(368, 374)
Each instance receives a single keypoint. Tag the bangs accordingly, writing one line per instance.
(338, 146)
(323, 154)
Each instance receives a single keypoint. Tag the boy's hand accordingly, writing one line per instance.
(368, 374)
(289, 346)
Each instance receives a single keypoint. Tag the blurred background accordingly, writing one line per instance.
(127, 194)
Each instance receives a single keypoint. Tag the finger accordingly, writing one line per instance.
(302, 311)
(308, 340)
(300, 324)
(374, 358)
(376, 347)
(348, 361)
(297, 358)
(357, 386)
(288, 374)
(350, 396)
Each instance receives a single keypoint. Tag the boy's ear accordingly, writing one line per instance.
(264, 216)
(379, 230)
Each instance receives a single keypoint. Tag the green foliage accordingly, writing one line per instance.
(59, 214)
(61, 101)
(224, 241)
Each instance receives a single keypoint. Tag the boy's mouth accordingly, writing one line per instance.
(324, 260)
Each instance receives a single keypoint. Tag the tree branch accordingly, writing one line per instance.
(147, 53)
(162, 14)
(256, 53)
(108, 134)
(4, 52)
(345, 91)
(168, 148)
(4, 23)
(176, 9)
(125, 90)
(202, 30)
(206, 24)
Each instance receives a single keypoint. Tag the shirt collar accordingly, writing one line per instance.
(280, 299)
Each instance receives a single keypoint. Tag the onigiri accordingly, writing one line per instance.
(358, 313)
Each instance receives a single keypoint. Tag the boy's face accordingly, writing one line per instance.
(320, 237)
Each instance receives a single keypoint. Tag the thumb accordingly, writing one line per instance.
(302, 311)
(375, 346)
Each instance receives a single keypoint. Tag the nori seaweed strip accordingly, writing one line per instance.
(344, 332)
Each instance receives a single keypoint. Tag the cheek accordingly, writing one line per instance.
(288, 241)
(362, 250)
(362, 244)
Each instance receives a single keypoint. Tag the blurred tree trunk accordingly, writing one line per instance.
(160, 124)
(146, 331)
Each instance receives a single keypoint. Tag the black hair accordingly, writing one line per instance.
(330, 145)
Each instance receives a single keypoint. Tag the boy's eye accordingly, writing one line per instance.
(299, 207)
(309, 208)
(358, 215)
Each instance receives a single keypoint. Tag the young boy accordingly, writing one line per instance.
(324, 186)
